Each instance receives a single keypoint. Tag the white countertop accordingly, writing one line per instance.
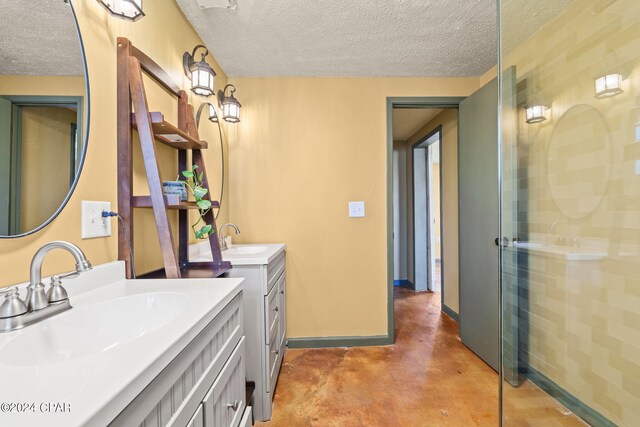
(98, 386)
(269, 251)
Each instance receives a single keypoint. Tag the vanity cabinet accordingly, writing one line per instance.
(264, 289)
(204, 386)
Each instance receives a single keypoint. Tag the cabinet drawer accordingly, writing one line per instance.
(271, 313)
(273, 358)
(224, 403)
(274, 270)
(198, 418)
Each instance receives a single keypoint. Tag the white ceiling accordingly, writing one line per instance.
(411, 38)
(408, 121)
(38, 37)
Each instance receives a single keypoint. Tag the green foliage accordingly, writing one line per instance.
(194, 184)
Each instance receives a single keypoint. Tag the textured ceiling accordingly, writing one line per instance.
(38, 37)
(408, 121)
(412, 38)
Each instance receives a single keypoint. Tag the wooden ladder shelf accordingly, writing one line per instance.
(152, 127)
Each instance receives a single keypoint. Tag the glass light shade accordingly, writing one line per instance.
(202, 78)
(608, 85)
(231, 109)
(536, 113)
(131, 10)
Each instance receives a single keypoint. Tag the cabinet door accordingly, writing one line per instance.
(224, 402)
(282, 297)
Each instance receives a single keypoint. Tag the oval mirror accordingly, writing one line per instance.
(44, 112)
(579, 161)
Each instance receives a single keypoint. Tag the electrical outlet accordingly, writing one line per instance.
(356, 209)
(93, 224)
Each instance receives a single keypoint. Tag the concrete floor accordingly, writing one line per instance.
(428, 378)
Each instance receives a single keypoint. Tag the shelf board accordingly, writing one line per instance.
(170, 135)
(172, 201)
(200, 270)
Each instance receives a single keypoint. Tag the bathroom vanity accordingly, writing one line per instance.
(131, 353)
(264, 294)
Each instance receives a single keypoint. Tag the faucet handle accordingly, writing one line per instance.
(56, 292)
(12, 305)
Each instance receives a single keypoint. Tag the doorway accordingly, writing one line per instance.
(423, 233)
(427, 231)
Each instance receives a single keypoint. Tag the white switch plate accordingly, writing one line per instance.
(356, 209)
(93, 224)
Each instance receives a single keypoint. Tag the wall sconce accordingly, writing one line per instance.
(536, 113)
(130, 10)
(229, 104)
(213, 117)
(608, 85)
(200, 73)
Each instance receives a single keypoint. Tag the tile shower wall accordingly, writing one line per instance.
(577, 200)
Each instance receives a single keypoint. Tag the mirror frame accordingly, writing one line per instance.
(85, 136)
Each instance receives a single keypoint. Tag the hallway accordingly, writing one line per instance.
(428, 378)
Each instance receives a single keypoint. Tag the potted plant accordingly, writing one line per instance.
(194, 183)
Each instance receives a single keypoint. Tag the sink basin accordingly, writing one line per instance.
(570, 253)
(92, 328)
(245, 250)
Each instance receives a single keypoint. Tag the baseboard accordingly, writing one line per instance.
(403, 282)
(449, 312)
(329, 342)
(575, 405)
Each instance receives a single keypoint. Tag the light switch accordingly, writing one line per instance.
(356, 209)
(93, 224)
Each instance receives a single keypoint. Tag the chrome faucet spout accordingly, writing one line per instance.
(36, 296)
(82, 264)
(223, 243)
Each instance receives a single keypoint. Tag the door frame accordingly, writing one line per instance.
(429, 211)
(404, 102)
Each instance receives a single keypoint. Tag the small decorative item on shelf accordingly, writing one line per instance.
(175, 187)
(194, 184)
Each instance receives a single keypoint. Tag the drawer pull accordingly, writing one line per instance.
(233, 405)
(282, 292)
(275, 309)
(276, 352)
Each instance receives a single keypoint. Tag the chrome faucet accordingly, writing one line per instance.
(560, 239)
(223, 243)
(39, 305)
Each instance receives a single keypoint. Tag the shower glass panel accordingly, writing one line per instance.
(570, 212)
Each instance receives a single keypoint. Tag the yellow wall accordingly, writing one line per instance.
(304, 149)
(46, 163)
(164, 34)
(448, 119)
(584, 315)
(42, 85)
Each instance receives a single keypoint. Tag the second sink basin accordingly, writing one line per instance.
(93, 328)
(245, 250)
